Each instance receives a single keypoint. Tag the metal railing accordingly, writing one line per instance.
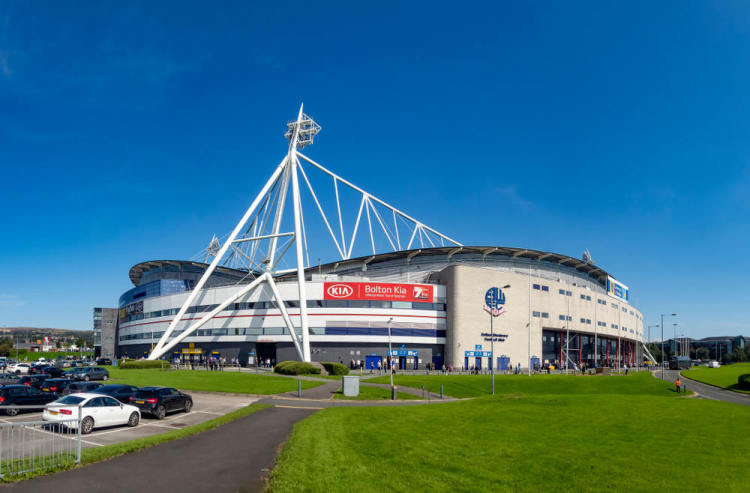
(36, 445)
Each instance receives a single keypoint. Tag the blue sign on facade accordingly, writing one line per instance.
(477, 347)
(494, 298)
(403, 352)
(477, 354)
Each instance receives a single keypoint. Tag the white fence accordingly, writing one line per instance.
(28, 446)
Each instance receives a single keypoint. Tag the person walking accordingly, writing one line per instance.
(380, 366)
(678, 384)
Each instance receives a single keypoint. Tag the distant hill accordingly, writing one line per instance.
(33, 333)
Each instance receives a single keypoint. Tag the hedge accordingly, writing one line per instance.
(335, 368)
(743, 381)
(143, 364)
(296, 368)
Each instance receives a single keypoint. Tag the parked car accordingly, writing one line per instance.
(76, 387)
(121, 392)
(35, 381)
(56, 385)
(158, 401)
(714, 364)
(88, 373)
(50, 370)
(96, 411)
(8, 378)
(19, 368)
(23, 396)
(104, 361)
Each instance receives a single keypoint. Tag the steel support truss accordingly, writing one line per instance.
(257, 244)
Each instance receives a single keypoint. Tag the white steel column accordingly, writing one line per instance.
(298, 243)
(219, 256)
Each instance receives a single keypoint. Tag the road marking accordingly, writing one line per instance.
(297, 407)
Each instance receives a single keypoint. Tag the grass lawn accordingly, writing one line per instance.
(461, 386)
(210, 381)
(724, 376)
(367, 393)
(591, 438)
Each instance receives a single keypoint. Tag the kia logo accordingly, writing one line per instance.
(339, 291)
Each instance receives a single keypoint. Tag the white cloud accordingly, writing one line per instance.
(510, 194)
(7, 299)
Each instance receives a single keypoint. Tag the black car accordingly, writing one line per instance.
(104, 361)
(50, 370)
(122, 393)
(56, 385)
(35, 381)
(23, 396)
(7, 378)
(88, 373)
(158, 401)
(76, 387)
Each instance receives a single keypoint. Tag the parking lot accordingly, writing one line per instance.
(206, 406)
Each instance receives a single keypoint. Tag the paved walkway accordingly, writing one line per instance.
(235, 457)
(706, 391)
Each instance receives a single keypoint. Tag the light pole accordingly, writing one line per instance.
(662, 340)
(492, 335)
(390, 356)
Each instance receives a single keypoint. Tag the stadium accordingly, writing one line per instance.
(417, 295)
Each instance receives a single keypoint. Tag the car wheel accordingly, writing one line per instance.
(105, 378)
(18, 372)
(11, 412)
(133, 420)
(86, 377)
(188, 406)
(161, 411)
(87, 425)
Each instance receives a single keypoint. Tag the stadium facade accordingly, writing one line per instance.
(394, 280)
(433, 301)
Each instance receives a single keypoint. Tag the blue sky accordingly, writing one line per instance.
(135, 131)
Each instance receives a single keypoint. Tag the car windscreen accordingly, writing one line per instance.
(107, 389)
(72, 400)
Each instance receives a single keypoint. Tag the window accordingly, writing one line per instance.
(536, 314)
(537, 286)
(601, 301)
(568, 293)
(588, 298)
(583, 320)
(545, 288)
(614, 326)
(588, 321)
(624, 309)
(583, 296)
(561, 317)
(561, 291)
(614, 306)
(545, 315)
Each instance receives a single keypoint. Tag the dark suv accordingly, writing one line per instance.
(88, 373)
(22, 395)
(35, 381)
(158, 401)
(104, 361)
(121, 392)
(76, 387)
(56, 385)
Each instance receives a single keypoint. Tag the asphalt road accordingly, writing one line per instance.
(235, 457)
(707, 391)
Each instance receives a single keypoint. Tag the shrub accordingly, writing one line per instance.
(143, 364)
(743, 381)
(335, 368)
(296, 368)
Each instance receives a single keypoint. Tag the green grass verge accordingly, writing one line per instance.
(601, 441)
(367, 393)
(462, 386)
(96, 454)
(724, 376)
(210, 381)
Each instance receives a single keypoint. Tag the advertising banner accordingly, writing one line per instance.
(377, 291)
(617, 289)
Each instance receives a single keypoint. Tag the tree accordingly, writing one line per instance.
(80, 342)
(738, 355)
(6, 344)
(702, 353)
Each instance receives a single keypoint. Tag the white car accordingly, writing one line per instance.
(19, 368)
(97, 410)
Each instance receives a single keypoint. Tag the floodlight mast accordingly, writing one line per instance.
(259, 229)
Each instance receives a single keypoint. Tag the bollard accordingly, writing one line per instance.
(393, 393)
(299, 388)
(422, 392)
(441, 390)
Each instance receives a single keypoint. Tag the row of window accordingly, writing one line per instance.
(567, 318)
(257, 331)
(541, 287)
(586, 321)
(565, 293)
(540, 314)
(585, 297)
(270, 305)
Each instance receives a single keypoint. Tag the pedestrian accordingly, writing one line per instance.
(678, 384)
(380, 366)
(626, 368)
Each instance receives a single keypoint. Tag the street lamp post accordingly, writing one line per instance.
(662, 341)
(492, 336)
(390, 356)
